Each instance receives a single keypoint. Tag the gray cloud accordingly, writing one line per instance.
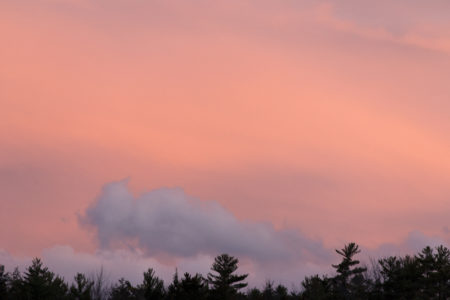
(413, 243)
(169, 222)
(131, 263)
(118, 263)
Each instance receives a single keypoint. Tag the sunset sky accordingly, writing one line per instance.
(138, 134)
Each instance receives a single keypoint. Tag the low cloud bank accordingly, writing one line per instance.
(166, 229)
(131, 264)
(118, 263)
(168, 222)
(413, 243)
(66, 262)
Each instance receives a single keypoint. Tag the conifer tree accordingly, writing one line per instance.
(225, 284)
(16, 289)
(40, 283)
(442, 276)
(349, 277)
(173, 291)
(281, 292)
(193, 287)
(124, 290)
(81, 288)
(316, 288)
(152, 287)
(4, 278)
(401, 277)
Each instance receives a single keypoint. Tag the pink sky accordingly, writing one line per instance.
(330, 119)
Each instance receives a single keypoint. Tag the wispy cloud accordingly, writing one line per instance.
(425, 35)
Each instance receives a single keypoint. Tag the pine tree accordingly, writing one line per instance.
(192, 287)
(226, 284)
(435, 272)
(81, 288)
(254, 294)
(442, 277)
(349, 279)
(4, 278)
(40, 283)
(173, 291)
(16, 287)
(281, 292)
(268, 290)
(428, 282)
(401, 277)
(152, 287)
(124, 290)
(316, 288)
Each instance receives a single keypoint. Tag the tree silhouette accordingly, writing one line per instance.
(152, 287)
(100, 288)
(4, 278)
(173, 291)
(16, 286)
(40, 283)
(402, 278)
(442, 272)
(225, 284)
(192, 287)
(425, 275)
(316, 288)
(81, 288)
(254, 294)
(426, 262)
(281, 292)
(349, 278)
(268, 290)
(124, 290)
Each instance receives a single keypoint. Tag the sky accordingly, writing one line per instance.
(138, 134)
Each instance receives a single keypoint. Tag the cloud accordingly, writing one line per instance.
(166, 221)
(125, 263)
(131, 263)
(421, 27)
(413, 243)
(66, 262)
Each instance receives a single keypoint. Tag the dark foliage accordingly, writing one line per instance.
(224, 283)
(425, 275)
(189, 288)
(152, 288)
(4, 278)
(349, 283)
(40, 283)
(81, 288)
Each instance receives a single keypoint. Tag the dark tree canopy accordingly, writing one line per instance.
(189, 288)
(425, 275)
(349, 279)
(123, 290)
(81, 288)
(152, 288)
(40, 283)
(224, 282)
(315, 287)
(4, 278)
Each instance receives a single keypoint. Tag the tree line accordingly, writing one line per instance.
(425, 275)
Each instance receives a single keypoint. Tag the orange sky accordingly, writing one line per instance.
(330, 118)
